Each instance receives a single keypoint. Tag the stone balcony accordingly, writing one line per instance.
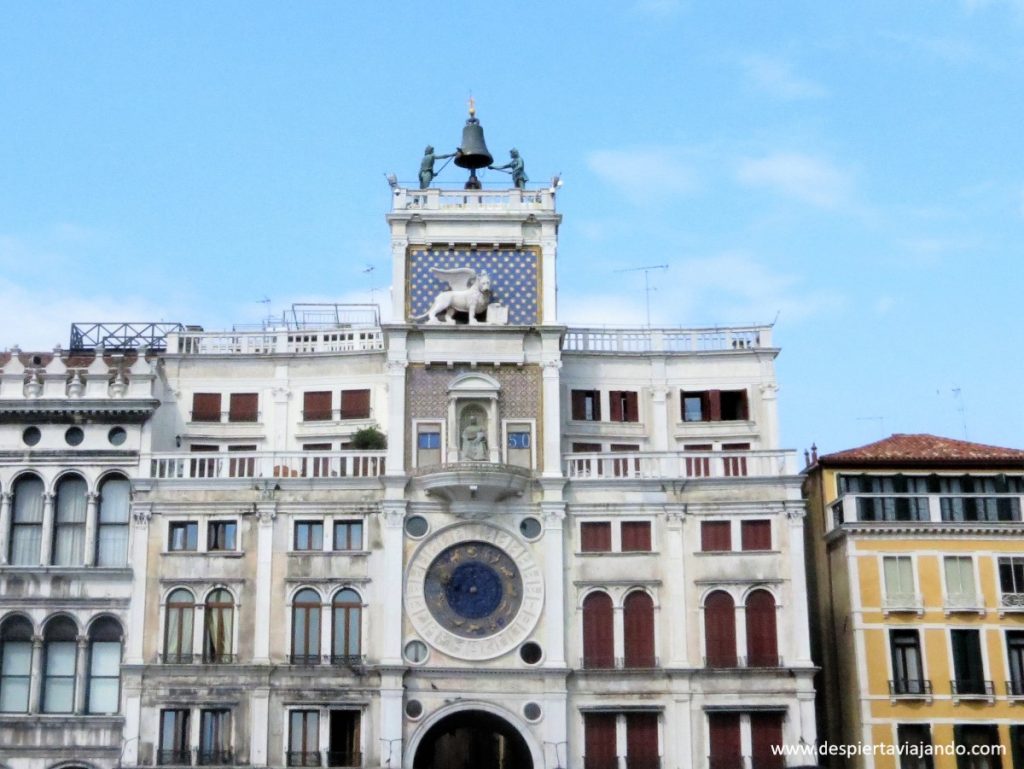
(474, 483)
(642, 465)
(328, 465)
(618, 341)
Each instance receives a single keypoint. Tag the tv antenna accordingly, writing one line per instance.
(958, 394)
(647, 283)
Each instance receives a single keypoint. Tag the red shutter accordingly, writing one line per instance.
(206, 407)
(636, 536)
(598, 638)
(579, 412)
(638, 627)
(622, 468)
(724, 740)
(599, 741)
(742, 410)
(596, 537)
(762, 637)
(698, 467)
(714, 412)
(615, 403)
(316, 406)
(355, 404)
(756, 535)
(765, 733)
(632, 411)
(642, 740)
(720, 630)
(715, 536)
(244, 467)
(244, 407)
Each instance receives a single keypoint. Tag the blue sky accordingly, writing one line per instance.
(855, 169)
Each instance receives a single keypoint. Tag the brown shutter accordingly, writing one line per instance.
(762, 638)
(355, 404)
(714, 412)
(756, 535)
(615, 403)
(724, 740)
(598, 635)
(206, 407)
(642, 740)
(742, 409)
(578, 404)
(766, 733)
(715, 536)
(621, 467)
(316, 406)
(720, 630)
(599, 740)
(244, 407)
(632, 411)
(638, 630)
(596, 537)
(636, 536)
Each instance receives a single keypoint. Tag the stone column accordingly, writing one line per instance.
(91, 526)
(5, 525)
(81, 673)
(259, 707)
(550, 399)
(769, 414)
(396, 411)
(676, 652)
(266, 512)
(391, 743)
(659, 418)
(391, 588)
(797, 609)
(554, 584)
(46, 550)
(142, 513)
(35, 686)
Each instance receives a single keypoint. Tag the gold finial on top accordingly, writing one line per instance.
(472, 107)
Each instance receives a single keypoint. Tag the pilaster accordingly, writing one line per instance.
(91, 523)
(266, 513)
(142, 514)
(46, 547)
(5, 525)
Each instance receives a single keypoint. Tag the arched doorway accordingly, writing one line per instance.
(472, 739)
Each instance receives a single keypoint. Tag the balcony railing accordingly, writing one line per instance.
(903, 602)
(681, 340)
(1012, 601)
(971, 687)
(1015, 688)
(266, 464)
(177, 658)
(174, 757)
(761, 661)
(218, 658)
(304, 758)
(215, 757)
(910, 687)
(640, 662)
(927, 508)
(344, 758)
(435, 199)
(625, 465)
(275, 342)
(964, 603)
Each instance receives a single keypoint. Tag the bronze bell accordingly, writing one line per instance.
(473, 152)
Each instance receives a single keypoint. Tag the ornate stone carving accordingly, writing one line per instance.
(474, 441)
(142, 514)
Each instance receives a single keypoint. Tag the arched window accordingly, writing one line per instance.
(181, 612)
(104, 666)
(69, 522)
(762, 638)
(27, 522)
(638, 630)
(306, 627)
(112, 532)
(348, 613)
(60, 649)
(220, 615)
(15, 664)
(598, 633)
(720, 630)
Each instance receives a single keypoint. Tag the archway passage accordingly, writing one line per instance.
(472, 739)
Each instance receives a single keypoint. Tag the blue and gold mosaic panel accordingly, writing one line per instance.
(515, 279)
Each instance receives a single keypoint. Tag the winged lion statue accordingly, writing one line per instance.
(469, 293)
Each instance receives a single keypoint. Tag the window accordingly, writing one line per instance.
(720, 630)
(518, 444)
(636, 536)
(714, 405)
(60, 647)
(907, 670)
(756, 535)
(204, 467)
(428, 444)
(625, 467)
(306, 627)
(977, 507)
(206, 407)
(968, 667)
(694, 406)
(734, 404)
(586, 405)
(642, 741)
(309, 535)
(898, 571)
(762, 637)
(915, 741)
(215, 738)
(218, 639)
(715, 536)
(638, 630)
(1016, 745)
(623, 405)
(183, 536)
(891, 497)
(343, 740)
(355, 404)
(347, 610)
(69, 522)
(15, 664)
(698, 467)
(112, 533)
(174, 738)
(599, 741)
(27, 522)
(316, 406)
(242, 466)
(221, 535)
(598, 632)
(179, 617)
(596, 537)
(980, 743)
(1011, 581)
(104, 666)
(959, 573)
(348, 535)
(734, 465)
(315, 467)
(244, 407)
(724, 741)
(765, 741)
(304, 738)
(1015, 658)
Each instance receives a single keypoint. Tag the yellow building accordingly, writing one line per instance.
(916, 573)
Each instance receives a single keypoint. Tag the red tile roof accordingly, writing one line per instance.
(921, 449)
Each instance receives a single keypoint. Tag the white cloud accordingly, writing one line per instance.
(644, 174)
(813, 180)
(775, 77)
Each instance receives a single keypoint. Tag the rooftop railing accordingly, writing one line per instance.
(266, 464)
(627, 465)
(448, 199)
(275, 342)
(639, 340)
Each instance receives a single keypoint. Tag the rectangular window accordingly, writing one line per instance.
(715, 536)
(429, 438)
(221, 535)
(183, 536)
(1015, 658)
(304, 738)
(980, 743)
(243, 407)
(215, 738)
(908, 673)
(968, 667)
(898, 572)
(916, 742)
(1011, 581)
(174, 738)
(518, 442)
(104, 676)
(315, 467)
(599, 741)
(756, 535)
(765, 741)
(586, 405)
(733, 405)
(59, 676)
(623, 405)
(695, 406)
(428, 444)
(112, 532)
(206, 407)
(239, 466)
(735, 466)
(309, 535)
(343, 741)
(316, 406)
(355, 404)
(15, 674)
(348, 535)
(959, 573)
(596, 537)
(642, 740)
(636, 536)
(698, 467)
(724, 740)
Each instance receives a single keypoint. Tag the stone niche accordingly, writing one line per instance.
(473, 434)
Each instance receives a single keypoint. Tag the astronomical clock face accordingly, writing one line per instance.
(474, 591)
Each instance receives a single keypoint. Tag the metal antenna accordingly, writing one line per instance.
(647, 283)
(962, 408)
